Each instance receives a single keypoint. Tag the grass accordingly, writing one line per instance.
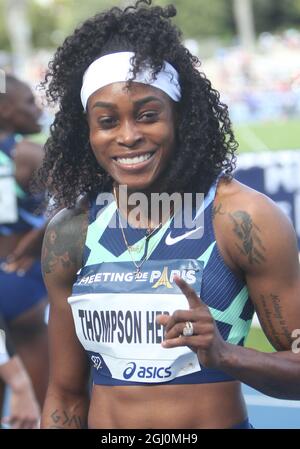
(276, 135)
(257, 340)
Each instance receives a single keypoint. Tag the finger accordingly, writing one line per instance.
(192, 297)
(195, 342)
(20, 267)
(176, 317)
(10, 267)
(11, 258)
(177, 330)
(5, 422)
(162, 319)
(25, 263)
(14, 422)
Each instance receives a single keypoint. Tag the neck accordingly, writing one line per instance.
(141, 211)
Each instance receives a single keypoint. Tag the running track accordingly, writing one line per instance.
(270, 413)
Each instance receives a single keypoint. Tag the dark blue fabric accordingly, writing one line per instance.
(20, 293)
(220, 286)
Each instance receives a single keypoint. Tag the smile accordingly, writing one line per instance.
(134, 160)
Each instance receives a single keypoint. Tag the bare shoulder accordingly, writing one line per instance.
(256, 229)
(234, 195)
(64, 242)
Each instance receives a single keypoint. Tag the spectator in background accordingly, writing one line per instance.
(24, 411)
(23, 295)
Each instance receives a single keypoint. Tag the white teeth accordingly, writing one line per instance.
(134, 160)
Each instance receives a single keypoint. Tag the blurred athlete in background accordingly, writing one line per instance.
(23, 296)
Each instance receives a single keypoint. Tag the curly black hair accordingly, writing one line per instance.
(205, 141)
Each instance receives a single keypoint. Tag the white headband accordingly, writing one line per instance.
(117, 67)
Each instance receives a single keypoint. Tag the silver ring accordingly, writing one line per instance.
(188, 329)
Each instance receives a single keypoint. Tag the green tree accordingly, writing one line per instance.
(202, 18)
(273, 15)
(52, 20)
(4, 41)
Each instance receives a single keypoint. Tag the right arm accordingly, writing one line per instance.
(67, 399)
(24, 412)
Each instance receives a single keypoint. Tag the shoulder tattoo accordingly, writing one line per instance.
(63, 245)
(249, 237)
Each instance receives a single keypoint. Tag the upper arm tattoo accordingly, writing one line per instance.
(250, 243)
(63, 245)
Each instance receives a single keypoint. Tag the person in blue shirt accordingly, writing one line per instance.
(23, 296)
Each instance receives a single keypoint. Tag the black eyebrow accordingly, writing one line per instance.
(103, 104)
(145, 100)
(138, 103)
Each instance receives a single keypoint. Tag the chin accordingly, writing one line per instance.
(137, 186)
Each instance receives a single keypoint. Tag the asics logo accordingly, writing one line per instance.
(143, 372)
(172, 240)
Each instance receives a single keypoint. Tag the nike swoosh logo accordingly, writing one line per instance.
(171, 241)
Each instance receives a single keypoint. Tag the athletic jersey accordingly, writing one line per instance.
(29, 214)
(114, 312)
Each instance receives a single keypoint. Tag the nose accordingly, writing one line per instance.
(129, 134)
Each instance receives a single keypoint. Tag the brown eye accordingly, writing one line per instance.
(107, 122)
(148, 116)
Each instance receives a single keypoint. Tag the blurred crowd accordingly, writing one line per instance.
(259, 85)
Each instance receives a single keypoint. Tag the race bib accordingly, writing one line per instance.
(115, 319)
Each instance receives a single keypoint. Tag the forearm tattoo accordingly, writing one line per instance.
(249, 236)
(273, 321)
(62, 420)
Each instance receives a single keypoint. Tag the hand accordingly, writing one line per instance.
(206, 340)
(25, 253)
(24, 409)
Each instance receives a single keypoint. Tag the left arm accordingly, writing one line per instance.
(263, 246)
(271, 268)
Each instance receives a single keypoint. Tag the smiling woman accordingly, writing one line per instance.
(162, 311)
(132, 138)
